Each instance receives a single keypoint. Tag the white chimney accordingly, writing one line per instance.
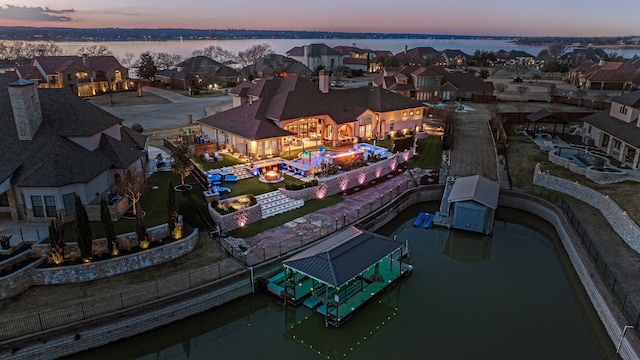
(26, 108)
(601, 63)
(323, 81)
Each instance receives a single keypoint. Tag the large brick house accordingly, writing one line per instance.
(268, 111)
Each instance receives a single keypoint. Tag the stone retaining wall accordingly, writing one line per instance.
(70, 274)
(626, 228)
(238, 219)
(341, 182)
(21, 280)
(597, 176)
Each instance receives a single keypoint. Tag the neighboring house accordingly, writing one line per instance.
(424, 55)
(617, 131)
(580, 56)
(55, 146)
(199, 72)
(514, 57)
(83, 75)
(472, 203)
(377, 62)
(454, 58)
(605, 75)
(317, 57)
(271, 109)
(433, 83)
(355, 58)
(276, 65)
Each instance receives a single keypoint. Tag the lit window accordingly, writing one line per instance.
(410, 113)
(417, 112)
(404, 113)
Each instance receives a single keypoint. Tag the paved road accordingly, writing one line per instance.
(160, 116)
(473, 151)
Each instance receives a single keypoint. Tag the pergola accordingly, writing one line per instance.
(345, 271)
(546, 117)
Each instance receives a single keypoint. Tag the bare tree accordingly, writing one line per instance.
(165, 60)
(18, 50)
(182, 163)
(135, 185)
(94, 50)
(253, 53)
(556, 50)
(127, 59)
(522, 89)
(216, 53)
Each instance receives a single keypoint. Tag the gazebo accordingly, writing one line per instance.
(344, 272)
(546, 117)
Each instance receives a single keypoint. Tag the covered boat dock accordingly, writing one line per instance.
(344, 272)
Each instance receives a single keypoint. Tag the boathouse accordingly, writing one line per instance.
(472, 203)
(344, 272)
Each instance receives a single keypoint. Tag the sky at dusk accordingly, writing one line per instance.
(466, 17)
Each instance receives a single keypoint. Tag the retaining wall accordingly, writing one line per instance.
(626, 228)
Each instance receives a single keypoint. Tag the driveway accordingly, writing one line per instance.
(163, 116)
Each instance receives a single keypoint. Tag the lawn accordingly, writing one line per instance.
(154, 204)
(428, 154)
(277, 220)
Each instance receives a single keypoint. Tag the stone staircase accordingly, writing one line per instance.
(274, 203)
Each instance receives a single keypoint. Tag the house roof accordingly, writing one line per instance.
(51, 158)
(204, 64)
(631, 99)
(247, 121)
(56, 64)
(315, 50)
(292, 97)
(627, 132)
(476, 188)
(418, 55)
(29, 72)
(343, 256)
(610, 71)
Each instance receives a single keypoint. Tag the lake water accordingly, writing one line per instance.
(281, 46)
(506, 296)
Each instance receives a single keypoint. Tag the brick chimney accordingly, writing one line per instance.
(323, 81)
(26, 108)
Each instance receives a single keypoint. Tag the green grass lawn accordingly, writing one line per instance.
(154, 204)
(277, 220)
(428, 154)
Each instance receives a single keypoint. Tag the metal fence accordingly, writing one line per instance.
(608, 274)
(107, 304)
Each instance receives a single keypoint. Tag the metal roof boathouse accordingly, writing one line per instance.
(344, 272)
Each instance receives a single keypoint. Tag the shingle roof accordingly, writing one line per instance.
(476, 188)
(315, 50)
(631, 99)
(627, 132)
(343, 256)
(51, 159)
(55, 64)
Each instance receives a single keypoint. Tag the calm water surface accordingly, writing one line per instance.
(506, 296)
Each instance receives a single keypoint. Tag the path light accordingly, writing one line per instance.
(624, 212)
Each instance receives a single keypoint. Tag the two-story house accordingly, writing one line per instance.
(433, 83)
(83, 75)
(616, 131)
(276, 65)
(55, 146)
(269, 110)
(317, 57)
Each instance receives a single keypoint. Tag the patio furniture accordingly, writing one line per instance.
(206, 157)
(230, 178)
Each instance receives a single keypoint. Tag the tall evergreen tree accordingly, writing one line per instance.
(147, 68)
(172, 211)
(83, 231)
(141, 229)
(109, 230)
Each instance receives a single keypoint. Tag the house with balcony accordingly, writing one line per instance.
(55, 146)
(317, 57)
(83, 75)
(270, 112)
(616, 131)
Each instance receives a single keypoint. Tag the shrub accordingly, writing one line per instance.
(137, 127)
(305, 185)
